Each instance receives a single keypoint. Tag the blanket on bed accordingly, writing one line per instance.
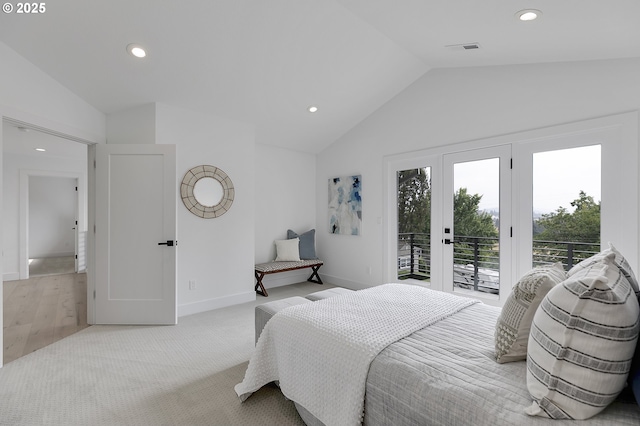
(321, 352)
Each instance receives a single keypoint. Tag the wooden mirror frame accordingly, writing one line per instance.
(189, 181)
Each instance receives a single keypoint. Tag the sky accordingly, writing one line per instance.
(558, 178)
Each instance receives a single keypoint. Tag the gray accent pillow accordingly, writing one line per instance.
(582, 342)
(307, 243)
(514, 323)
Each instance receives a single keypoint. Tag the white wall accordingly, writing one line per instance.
(274, 190)
(218, 253)
(52, 215)
(135, 125)
(285, 199)
(30, 95)
(454, 105)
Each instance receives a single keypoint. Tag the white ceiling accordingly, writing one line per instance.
(265, 61)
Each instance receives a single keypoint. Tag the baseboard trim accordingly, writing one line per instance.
(13, 276)
(216, 303)
(353, 285)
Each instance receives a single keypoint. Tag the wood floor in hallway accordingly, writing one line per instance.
(42, 310)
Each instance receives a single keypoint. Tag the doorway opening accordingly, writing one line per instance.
(44, 211)
(52, 225)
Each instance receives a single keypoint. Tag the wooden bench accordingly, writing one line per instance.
(263, 269)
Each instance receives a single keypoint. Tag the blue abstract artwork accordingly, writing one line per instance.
(345, 205)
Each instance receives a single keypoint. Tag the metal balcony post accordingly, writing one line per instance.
(569, 255)
(475, 264)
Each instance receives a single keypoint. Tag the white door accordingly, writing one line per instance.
(476, 229)
(135, 234)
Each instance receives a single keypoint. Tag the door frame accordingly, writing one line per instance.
(390, 192)
(504, 154)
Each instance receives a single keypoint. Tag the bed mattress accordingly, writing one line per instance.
(446, 374)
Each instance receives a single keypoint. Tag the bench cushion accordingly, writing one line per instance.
(265, 311)
(324, 294)
(269, 267)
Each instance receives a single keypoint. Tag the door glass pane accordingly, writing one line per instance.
(414, 224)
(476, 217)
(566, 205)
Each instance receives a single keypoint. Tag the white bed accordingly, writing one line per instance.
(442, 374)
(446, 374)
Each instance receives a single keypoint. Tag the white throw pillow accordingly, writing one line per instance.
(581, 343)
(618, 259)
(288, 250)
(514, 323)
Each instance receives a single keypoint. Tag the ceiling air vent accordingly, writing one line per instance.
(464, 46)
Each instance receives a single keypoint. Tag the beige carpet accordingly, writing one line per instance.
(132, 375)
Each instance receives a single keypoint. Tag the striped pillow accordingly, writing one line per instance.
(617, 258)
(581, 344)
(514, 322)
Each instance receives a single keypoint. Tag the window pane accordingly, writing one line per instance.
(476, 217)
(566, 205)
(414, 224)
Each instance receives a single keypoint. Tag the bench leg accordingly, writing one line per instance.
(317, 279)
(262, 291)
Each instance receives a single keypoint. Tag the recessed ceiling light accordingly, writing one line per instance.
(136, 50)
(40, 149)
(528, 14)
(312, 108)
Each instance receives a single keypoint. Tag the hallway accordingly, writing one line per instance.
(51, 266)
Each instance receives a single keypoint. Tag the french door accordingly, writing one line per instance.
(476, 223)
(520, 185)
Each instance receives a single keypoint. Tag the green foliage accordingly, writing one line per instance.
(414, 201)
(581, 226)
(468, 220)
(414, 215)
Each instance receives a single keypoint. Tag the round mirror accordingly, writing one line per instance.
(207, 191)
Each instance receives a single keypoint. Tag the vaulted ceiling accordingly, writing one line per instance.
(266, 61)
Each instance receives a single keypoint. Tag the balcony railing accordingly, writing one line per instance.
(477, 261)
(566, 252)
(414, 256)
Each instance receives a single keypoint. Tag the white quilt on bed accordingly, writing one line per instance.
(320, 352)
